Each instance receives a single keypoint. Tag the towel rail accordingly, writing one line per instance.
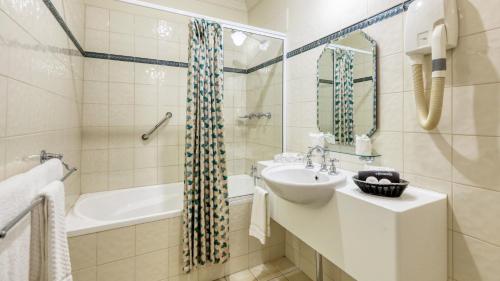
(18, 218)
(44, 156)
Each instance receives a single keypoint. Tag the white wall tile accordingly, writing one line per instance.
(475, 160)
(121, 44)
(477, 16)
(147, 27)
(475, 110)
(476, 59)
(474, 259)
(95, 92)
(475, 213)
(120, 71)
(146, 47)
(96, 70)
(424, 152)
(96, 40)
(121, 22)
(97, 18)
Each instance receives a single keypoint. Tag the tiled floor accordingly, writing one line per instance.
(278, 270)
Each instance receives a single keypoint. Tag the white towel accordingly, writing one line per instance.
(16, 194)
(260, 222)
(53, 247)
(14, 250)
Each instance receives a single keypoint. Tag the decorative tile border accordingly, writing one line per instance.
(322, 41)
(63, 25)
(104, 56)
(265, 64)
(396, 10)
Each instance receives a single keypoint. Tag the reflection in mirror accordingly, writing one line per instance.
(347, 88)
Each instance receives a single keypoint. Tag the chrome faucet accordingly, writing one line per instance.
(309, 164)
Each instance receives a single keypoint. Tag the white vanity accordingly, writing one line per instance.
(371, 238)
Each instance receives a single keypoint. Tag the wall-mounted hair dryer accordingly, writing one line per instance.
(431, 28)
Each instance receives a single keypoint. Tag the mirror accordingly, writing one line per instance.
(346, 90)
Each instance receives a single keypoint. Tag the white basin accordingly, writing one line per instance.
(297, 184)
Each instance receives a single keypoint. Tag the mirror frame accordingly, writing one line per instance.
(375, 81)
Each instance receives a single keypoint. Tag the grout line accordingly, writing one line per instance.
(475, 238)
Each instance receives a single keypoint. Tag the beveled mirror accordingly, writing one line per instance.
(347, 94)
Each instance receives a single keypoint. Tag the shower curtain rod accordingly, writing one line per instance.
(223, 23)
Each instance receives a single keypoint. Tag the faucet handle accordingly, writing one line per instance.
(333, 168)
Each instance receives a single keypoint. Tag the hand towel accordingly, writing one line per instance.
(52, 248)
(260, 221)
(16, 194)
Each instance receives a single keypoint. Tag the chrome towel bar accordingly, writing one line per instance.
(44, 156)
(14, 221)
(146, 135)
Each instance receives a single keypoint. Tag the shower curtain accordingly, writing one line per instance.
(206, 207)
(343, 97)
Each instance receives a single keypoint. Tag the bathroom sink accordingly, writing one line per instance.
(297, 184)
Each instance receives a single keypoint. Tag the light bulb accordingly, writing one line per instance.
(263, 46)
(238, 38)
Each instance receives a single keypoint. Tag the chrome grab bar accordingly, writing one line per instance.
(146, 135)
(257, 115)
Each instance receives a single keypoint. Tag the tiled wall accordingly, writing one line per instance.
(460, 157)
(40, 86)
(122, 100)
(264, 94)
(153, 251)
(304, 257)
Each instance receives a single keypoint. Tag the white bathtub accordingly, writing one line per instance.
(101, 211)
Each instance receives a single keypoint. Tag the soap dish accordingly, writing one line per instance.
(382, 189)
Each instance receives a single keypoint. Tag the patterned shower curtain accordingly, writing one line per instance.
(343, 97)
(206, 207)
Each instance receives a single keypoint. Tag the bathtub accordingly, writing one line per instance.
(95, 212)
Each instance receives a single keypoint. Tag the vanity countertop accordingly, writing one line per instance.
(413, 197)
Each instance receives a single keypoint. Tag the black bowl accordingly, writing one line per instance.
(382, 189)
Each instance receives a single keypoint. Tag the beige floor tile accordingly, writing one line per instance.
(284, 265)
(236, 264)
(297, 275)
(265, 272)
(244, 275)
